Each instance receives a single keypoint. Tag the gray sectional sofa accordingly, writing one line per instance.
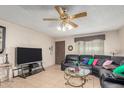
(106, 77)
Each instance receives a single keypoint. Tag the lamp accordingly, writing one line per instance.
(63, 26)
(114, 52)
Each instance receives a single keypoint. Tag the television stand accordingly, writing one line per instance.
(29, 69)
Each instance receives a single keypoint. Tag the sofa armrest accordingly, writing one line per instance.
(63, 61)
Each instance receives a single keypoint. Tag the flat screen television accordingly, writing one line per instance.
(28, 55)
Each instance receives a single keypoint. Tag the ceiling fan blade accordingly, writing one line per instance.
(50, 19)
(73, 24)
(82, 14)
(60, 10)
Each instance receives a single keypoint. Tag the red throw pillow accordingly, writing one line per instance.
(95, 62)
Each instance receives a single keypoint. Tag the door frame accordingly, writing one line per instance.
(56, 50)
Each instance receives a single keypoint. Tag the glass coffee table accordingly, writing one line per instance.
(78, 75)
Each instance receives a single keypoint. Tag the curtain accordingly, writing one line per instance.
(91, 47)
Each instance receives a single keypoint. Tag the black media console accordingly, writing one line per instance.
(28, 69)
(28, 60)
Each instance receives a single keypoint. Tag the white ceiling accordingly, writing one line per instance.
(99, 19)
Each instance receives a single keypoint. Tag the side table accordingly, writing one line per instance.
(7, 67)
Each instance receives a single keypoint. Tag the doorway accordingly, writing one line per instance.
(59, 51)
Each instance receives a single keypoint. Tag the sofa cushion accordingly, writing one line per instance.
(117, 60)
(100, 62)
(102, 57)
(68, 64)
(69, 61)
(104, 72)
(72, 58)
(87, 67)
(97, 68)
(122, 62)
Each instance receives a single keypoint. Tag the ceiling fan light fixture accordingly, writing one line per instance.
(69, 26)
(65, 20)
(61, 27)
(58, 28)
(64, 27)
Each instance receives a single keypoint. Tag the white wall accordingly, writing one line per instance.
(69, 41)
(18, 36)
(111, 43)
(121, 39)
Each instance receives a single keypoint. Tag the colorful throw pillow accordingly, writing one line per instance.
(107, 62)
(90, 61)
(95, 62)
(119, 71)
(85, 60)
(110, 67)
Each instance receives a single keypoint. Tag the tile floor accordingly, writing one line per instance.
(53, 77)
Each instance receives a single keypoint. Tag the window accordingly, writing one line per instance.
(95, 46)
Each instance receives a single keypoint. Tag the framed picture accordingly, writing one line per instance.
(70, 47)
(2, 38)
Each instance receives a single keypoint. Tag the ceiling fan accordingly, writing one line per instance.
(65, 18)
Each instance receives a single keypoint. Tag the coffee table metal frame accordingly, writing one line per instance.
(68, 77)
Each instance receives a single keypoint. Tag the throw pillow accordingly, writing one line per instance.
(90, 61)
(95, 62)
(107, 62)
(108, 65)
(85, 60)
(119, 71)
(100, 62)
